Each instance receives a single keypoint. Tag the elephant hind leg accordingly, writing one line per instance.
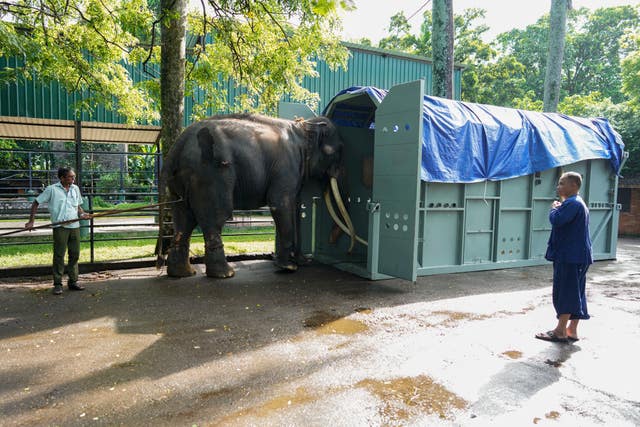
(178, 264)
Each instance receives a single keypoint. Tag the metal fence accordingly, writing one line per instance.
(109, 176)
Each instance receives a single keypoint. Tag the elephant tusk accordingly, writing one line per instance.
(343, 211)
(338, 221)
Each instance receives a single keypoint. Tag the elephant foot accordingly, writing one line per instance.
(178, 263)
(303, 260)
(217, 266)
(220, 273)
(286, 265)
(180, 270)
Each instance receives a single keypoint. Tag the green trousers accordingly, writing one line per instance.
(63, 239)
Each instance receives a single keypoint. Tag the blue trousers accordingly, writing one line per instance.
(569, 297)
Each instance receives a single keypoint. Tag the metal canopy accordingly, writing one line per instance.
(65, 130)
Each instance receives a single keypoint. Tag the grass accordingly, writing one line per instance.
(39, 252)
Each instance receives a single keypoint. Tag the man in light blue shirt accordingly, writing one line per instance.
(64, 204)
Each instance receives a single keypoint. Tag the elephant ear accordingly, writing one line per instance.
(323, 132)
(205, 142)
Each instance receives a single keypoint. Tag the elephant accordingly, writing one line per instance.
(242, 162)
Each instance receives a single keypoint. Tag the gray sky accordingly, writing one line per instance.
(371, 19)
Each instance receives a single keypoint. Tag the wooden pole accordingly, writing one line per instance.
(98, 215)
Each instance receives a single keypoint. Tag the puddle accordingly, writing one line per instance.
(328, 323)
(512, 354)
(320, 318)
(343, 327)
(404, 398)
(553, 415)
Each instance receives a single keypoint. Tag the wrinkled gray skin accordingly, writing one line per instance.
(244, 162)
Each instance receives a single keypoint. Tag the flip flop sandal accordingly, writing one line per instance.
(572, 339)
(551, 337)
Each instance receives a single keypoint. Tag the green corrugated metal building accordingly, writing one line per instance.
(366, 67)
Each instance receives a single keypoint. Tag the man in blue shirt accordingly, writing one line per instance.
(569, 248)
(64, 204)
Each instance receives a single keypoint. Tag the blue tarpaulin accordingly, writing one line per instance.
(466, 142)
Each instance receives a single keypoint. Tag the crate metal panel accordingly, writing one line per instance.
(442, 242)
(398, 148)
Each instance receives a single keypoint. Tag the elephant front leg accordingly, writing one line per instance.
(214, 257)
(178, 264)
(285, 245)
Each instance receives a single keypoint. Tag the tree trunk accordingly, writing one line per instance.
(172, 75)
(442, 47)
(553, 75)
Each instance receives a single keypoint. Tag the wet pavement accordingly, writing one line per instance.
(319, 347)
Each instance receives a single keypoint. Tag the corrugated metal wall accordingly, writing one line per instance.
(366, 67)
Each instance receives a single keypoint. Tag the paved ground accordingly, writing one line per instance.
(319, 347)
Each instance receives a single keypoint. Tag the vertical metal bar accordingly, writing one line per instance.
(78, 141)
(91, 240)
(463, 232)
(532, 183)
(314, 217)
(30, 172)
(497, 217)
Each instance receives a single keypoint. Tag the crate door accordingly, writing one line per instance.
(294, 110)
(396, 178)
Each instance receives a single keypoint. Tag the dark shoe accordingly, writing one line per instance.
(57, 289)
(551, 337)
(572, 339)
(75, 287)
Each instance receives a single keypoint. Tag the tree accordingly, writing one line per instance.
(400, 37)
(442, 48)
(553, 75)
(469, 48)
(86, 45)
(593, 51)
(172, 84)
(631, 71)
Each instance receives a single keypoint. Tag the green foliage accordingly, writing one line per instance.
(257, 47)
(631, 71)
(528, 102)
(84, 45)
(14, 158)
(88, 46)
(592, 51)
(469, 48)
(142, 167)
(400, 37)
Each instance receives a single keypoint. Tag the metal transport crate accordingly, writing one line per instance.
(415, 227)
